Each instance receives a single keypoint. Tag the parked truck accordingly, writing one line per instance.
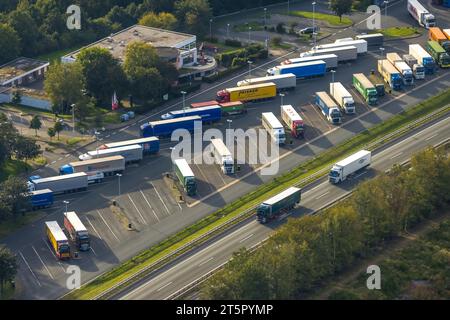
(231, 108)
(436, 34)
(346, 167)
(222, 156)
(150, 145)
(131, 153)
(108, 166)
(302, 70)
(402, 67)
(293, 121)
(328, 107)
(185, 176)
(273, 127)
(423, 57)
(420, 14)
(343, 98)
(447, 33)
(77, 231)
(60, 184)
(253, 92)
(361, 45)
(330, 59)
(390, 74)
(57, 240)
(344, 54)
(363, 85)
(417, 69)
(204, 104)
(208, 114)
(373, 39)
(438, 53)
(284, 82)
(164, 128)
(279, 204)
(40, 199)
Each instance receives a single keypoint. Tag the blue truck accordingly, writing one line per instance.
(423, 57)
(164, 128)
(390, 74)
(208, 113)
(40, 199)
(328, 107)
(301, 70)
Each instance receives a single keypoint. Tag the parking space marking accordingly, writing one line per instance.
(53, 254)
(134, 205)
(321, 116)
(148, 203)
(51, 276)
(93, 251)
(219, 172)
(303, 114)
(92, 226)
(159, 196)
(204, 176)
(107, 225)
(29, 268)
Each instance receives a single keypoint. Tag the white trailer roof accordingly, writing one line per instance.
(335, 49)
(75, 221)
(184, 167)
(419, 7)
(272, 120)
(95, 161)
(286, 193)
(420, 50)
(312, 58)
(393, 56)
(56, 231)
(296, 65)
(265, 79)
(291, 112)
(340, 86)
(340, 44)
(216, 106)
(251, 86)
(182, 119)
(43, 191)
(388, 66)
(114, 150)
(370, 35)
(130, 142)
(325, 97)
(364, 81)
(354, 157)
(63, 177)
(220, 147)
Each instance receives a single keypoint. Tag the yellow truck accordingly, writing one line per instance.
(254, 92)
(58, 240)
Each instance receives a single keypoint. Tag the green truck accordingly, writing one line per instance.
(185, 176)
(365, 88)
(231, 108)
(275, 206)
(438, 53)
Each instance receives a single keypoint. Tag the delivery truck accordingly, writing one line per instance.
(373, 39)
(438, 53)
(255, 92)
(330, 59)
(164, 128)
(346, 167)
(447, 33)
(436, 34)
(60, 184)
(417, 69)
(344, 54)
(284, 82)
(108, 166)
(77, 231)
(273, 127)
(150, 145)
(402, 67)
(293, 121)
(222, 156)
(302, 70)
(58, 240)
(208, 114)
(423, 57)
(343, 98)
(185, 176)
(232, 108)
(279, 204)
(363, 85)
(40, 199)
(420, 14)
(361, 45)
(131, 153)
(390, 74)
(328, 107)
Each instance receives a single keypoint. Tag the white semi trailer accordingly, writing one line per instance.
(222, 156)
(420, 14)
(343, 98)
(344, 168)
(283, 81)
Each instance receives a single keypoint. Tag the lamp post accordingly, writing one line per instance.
(119, 175)
(66, 203)
(229, 123)
(73, 117)
(249, 68)
(265, 16)
(228, 30)
(249, 29)
(385, 7)
(210, 29)
(332, 81)
(382, 52)
(184, 101)
(289, 8)
(314, 22)
(282, 96)
(96, 134)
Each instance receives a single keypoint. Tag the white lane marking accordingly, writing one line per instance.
(206, 261)
(59, 159)
(359, 175)
(107, 225)
(29, 268)
(92, 226)
(429, 138)
(322, 195)
(108, 136)
(51, 276)
(114, 133)
(160, 198)
(396, 155)
(67, 155)
(53, 254)
(93, 251)
(53, 162)
(134, 205)
(164, 286)
(148, 203)
(246, 238)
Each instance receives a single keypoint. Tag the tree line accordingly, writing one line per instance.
(307, 251)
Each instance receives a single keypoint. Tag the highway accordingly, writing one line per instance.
(214, 255)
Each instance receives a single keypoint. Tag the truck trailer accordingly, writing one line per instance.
(284, 82)
(402, 67)
(438, 53)
(344, 54)
(302, 70)
(361, 45)
(343, 98)
(328, 107)
(436, 34)
(390, 74)
(373, 39)
(222, 156)
(423, 57)
(417, 69)
(344, 168)
(164, 128)
(185, 176)
(273, 127)
(60, 184)
(330, 59)
(40, 199)
(253, 92)
(131, 153)
(58, 240)
(150, 145)
(363, 85)
(275, 206)
(232, 108)
(420, 14)
(77, 231)
(208, 114)
(204, 104)
(293, 121)
(108, 166)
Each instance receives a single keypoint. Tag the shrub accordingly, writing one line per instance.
(276, 41)
(280, 28)
(233, 43)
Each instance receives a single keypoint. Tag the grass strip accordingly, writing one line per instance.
(399, 32)
(329, 18)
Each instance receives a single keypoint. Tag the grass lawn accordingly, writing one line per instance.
(399, 32)
(55, 56)
(8, 292)
(331, 19)
(75, 140)
(13, 168)
(32, 111)
(256, 26)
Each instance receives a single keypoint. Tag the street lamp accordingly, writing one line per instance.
(73, 117)
(382, 52)
(96, 134)
(249, 29)
(228, 30)
(184, 101)
(66, 203)
(249, 68)
(385, 7)
(119, 175)
(210, 29)
(282, 96)
(289, 9)
(229, 123)
(314, 22)
(332, 81)
(265, 12)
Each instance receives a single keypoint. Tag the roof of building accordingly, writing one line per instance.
(19, 67)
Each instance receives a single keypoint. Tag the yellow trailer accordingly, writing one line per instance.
(57, 239)
(248, 93)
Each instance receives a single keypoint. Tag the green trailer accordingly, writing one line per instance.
(438, 53)
(278, 204)
(185, 176)
(365, 88)
(230, 108)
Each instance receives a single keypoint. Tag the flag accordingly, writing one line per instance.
(115, 102)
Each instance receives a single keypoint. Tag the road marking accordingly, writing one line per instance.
(359, 175)
(92, 226)
(108, 136)
(53, 162)
(60, 159)
(114, 133)
(51, 276)
(67, 155)
(134, 205)
(396, 155)
(29, 268)
(93, 251)
(206, 261)
(322, 195)
(53, 254)
(246, 238)
(429, 138)
(164, 286)
(107, 225)
(148, 203)
(206, 179)
(160, 198)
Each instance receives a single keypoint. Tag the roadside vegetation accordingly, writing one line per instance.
(399, 32)
(332, 20)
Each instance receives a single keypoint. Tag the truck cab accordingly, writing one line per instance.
(223, 96)
(349, 105)
(263, 213)
(335, 116)
(30, 183)
(83, 241)
(372, 96)
(191, 186)
(418, 71)
(228, 166)
(336, 174)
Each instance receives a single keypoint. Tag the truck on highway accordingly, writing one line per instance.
(328, 107)
(363, 85)
(279, 204)
(40, 199)
(330, 59)
(150, 145)
(436, 34)
(293, 121)
(361, 45)
(423, 57)
(402, 67)
(222, 156)
(131, 153)
(373, 39)
(164, 128)
(60, 184)
(208, 114)
(343, 98)
(417, 69)
(438, 53)
(58, 240)
(347, 53)
(420, 14)
(344, 168)
(302, 70)
(185, 176)
(108, 166)
(390, 74)
(273, 127)
(255, 92)
(284, 82)
(77, 231)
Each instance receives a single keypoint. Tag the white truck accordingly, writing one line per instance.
(273, 127)
(423, 57)
(283, 81)
(222, 156)
(420, 14)
(361, 45)
(60, 184)
(132, 153)
(330, 59)
(417, 69)
(347, 53)
(402, 67)
(344, 168)
(343, 98)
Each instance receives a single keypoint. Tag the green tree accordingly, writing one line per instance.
(17, 97)
(35, 124)
(51, 132)
(13, 194)
(8, 266)
(163, 20)
(9, 44)
(120, 15)
(8, 135)
(25, 26)
(26, 148)
(341, 7)
(193, 16)
(58, 127)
